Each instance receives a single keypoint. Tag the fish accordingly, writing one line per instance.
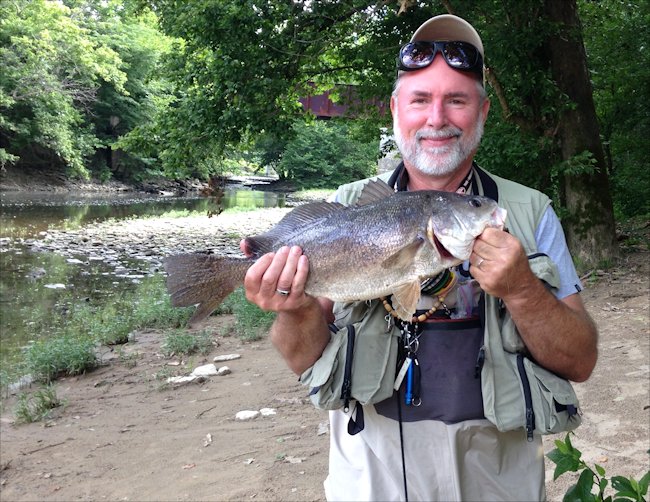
(386, 243)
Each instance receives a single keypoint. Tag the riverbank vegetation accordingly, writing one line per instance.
(75, 341)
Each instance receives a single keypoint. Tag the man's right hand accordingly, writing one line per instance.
(284, 271)
(300, 331)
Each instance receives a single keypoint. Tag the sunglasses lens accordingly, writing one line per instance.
(460, 55)
(416, 55)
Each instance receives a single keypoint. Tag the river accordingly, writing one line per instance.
(37, 285)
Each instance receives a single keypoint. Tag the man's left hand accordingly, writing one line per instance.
(499, 264)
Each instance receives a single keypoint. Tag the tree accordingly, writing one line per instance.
(76, 76)
(616, 38)
(325, 155)
(590, 230)
(51, 67)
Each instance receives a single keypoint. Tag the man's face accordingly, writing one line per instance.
(438, 118)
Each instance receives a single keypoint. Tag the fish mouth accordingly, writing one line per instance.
(442, 250)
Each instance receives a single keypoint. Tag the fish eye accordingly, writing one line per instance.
(475, 202)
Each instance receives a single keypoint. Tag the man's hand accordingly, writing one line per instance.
(559, 334)
(500, 265)
(277, 280)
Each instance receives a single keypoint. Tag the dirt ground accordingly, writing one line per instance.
(126, 435)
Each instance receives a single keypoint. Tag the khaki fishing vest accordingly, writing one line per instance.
(359, 363)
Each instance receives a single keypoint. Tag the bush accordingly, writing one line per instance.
(37, 406)
(251, 321)
(324, 155)
(47, 359)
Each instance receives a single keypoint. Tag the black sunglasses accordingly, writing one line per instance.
(458, 55)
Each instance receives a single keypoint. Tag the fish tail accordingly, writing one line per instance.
(203, 279)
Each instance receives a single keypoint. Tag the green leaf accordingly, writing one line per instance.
(643, 484)
(603, 484)
(621, 483)
(565, 464)
(600, 470)
(581, 491)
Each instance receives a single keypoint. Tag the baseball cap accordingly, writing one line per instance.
(448, 27)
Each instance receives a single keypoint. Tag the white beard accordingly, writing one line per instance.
(439, 160)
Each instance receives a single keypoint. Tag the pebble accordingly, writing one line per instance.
(150, 240)
(247, 415)
(205, 370)
(226, 357)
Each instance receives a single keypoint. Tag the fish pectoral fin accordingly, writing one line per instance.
(404, 258)
(405, 300)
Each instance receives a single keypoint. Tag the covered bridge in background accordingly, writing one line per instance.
(324, 108)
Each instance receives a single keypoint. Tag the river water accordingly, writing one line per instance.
(38, 285)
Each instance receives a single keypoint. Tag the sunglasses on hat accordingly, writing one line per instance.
(458, 55)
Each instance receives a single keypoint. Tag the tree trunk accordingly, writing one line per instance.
(590, 228)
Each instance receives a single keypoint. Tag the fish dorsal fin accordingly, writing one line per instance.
(405, 300)
(300, 217)
(374, 191)
(404, 257)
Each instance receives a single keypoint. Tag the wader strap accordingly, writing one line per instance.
(489, 185)
(395, 177)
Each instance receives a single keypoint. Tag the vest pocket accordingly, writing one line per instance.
(556, 404)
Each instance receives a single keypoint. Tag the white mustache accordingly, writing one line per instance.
(448, 132)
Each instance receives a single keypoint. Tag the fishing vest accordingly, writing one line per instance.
(360, 362)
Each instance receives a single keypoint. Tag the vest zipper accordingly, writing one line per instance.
(346, 388)
(480, 361)
(530, 414)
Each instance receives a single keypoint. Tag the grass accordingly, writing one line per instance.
(251, 323)
(36, 406)
(181, 343)
(47, 359)
(69, 344)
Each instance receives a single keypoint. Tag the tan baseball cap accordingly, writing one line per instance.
(448, 27)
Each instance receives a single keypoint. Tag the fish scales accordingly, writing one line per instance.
(354, 243)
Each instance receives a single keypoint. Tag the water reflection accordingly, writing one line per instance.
(25, 215)
(37, 287)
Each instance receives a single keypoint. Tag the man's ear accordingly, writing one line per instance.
(485, 109)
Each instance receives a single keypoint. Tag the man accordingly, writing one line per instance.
(445, 448)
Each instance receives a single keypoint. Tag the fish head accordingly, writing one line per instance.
(456, 223)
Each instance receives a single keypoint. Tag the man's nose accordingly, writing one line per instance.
(436, 115)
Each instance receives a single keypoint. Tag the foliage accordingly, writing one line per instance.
(323, 155)
(46, 360)
(181, 343)
(567, 458)
(67, 343)
(51, 67)
(113, 322)
(621, 94)
(76, 75)
(36, 406)
(108, 325)
(151, 307)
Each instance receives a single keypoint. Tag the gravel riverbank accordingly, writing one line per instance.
(120, 242)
